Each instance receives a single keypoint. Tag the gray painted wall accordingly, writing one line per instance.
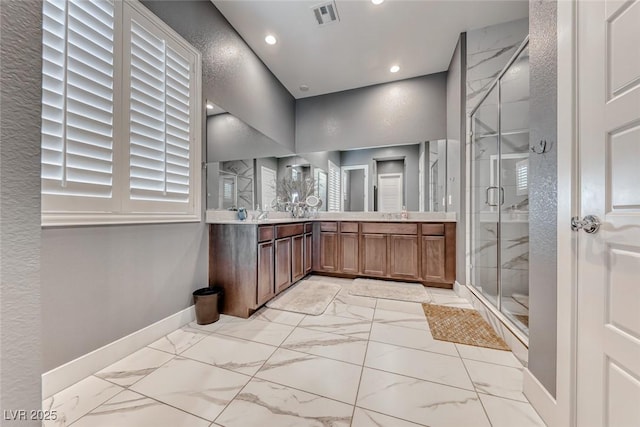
(402, 112)
(102, 283)
(543, 193)
(456, 148)
(368, 157)
(229, 138)
(233, 77)
(20, 294)
(356, 191)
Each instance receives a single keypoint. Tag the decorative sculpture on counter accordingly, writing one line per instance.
(292, 195)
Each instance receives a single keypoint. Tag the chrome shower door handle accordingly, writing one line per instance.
(590, 224)
(486, 196)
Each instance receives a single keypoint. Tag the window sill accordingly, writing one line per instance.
(71, 220)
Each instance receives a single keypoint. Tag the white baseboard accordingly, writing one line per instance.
(540, 398)
(70, 373)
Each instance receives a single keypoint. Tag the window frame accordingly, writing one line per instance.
(120, 209)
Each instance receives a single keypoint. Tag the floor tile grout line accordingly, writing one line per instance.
(364, 361)
(179, 353)
(100, 404)
(390, 416)
(144, 376)
(526, 401)
(251, 376)
(486, 414)
(260, 379)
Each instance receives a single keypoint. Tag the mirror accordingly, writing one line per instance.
(247, 169)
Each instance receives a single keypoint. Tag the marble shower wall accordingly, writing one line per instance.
(245, 171)
(488, 51)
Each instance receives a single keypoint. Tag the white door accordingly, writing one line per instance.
(268, 187)
(390, 192)
(608, 329)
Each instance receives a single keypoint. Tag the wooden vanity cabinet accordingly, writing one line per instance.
(374, 255)
(326, 246)
(349, 253)
(266, 285)
(308, 251)
(438, 253)
(403, 257)
(413, 251)
(255, 263)
(297, 258)
(282, 264)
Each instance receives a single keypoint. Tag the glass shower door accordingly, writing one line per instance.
(514, 180)
(485, 196)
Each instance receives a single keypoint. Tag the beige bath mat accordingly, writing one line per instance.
(307, 297)
(462, 326)
(401, 291)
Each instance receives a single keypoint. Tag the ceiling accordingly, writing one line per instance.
(418, 35)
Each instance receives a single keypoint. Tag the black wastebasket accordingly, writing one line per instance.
(208, 302)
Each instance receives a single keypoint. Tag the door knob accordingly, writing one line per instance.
(589, 223)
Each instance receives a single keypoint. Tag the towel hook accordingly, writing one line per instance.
(541, 148)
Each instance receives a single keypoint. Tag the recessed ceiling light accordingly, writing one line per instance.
(304, 88)
(270, 39)
(209, 106)
(377, 2)
(394, 69)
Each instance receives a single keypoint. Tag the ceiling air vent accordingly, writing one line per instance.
(326, 13)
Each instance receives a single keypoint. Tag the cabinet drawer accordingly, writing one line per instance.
(289, 230)
(265, 233)
(328, 226)
(433, 229)
(308, 227)
(389, 228)
(349, 227)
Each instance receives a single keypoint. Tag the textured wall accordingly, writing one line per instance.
(102, 283)
(402, 112)
(20, 299)
(543, 193)
(232, 75)
(456, 153)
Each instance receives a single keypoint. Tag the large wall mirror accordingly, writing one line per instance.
(245, 169)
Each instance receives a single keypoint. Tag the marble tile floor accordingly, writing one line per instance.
(365, 362)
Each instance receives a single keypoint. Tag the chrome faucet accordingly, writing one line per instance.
(262, 214)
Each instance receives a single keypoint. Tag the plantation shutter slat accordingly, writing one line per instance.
(78, 98)
(333, 197)
(160, 88)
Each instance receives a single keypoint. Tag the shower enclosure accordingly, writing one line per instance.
(499, 192)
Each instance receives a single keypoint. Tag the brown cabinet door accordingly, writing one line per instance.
(308, 253)
(349, 253)
(297, 258)
(403, 257)
(433, 258)
(266, 290)
(328, 251)
(283, 264)
(374, 254)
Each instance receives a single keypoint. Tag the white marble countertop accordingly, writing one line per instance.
(230, 217)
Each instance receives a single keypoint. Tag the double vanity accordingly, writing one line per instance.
(256, 260)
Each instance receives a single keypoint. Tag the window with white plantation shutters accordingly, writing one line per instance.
(159, 117)
(121, 125)
(78, 104)
(333, 197)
